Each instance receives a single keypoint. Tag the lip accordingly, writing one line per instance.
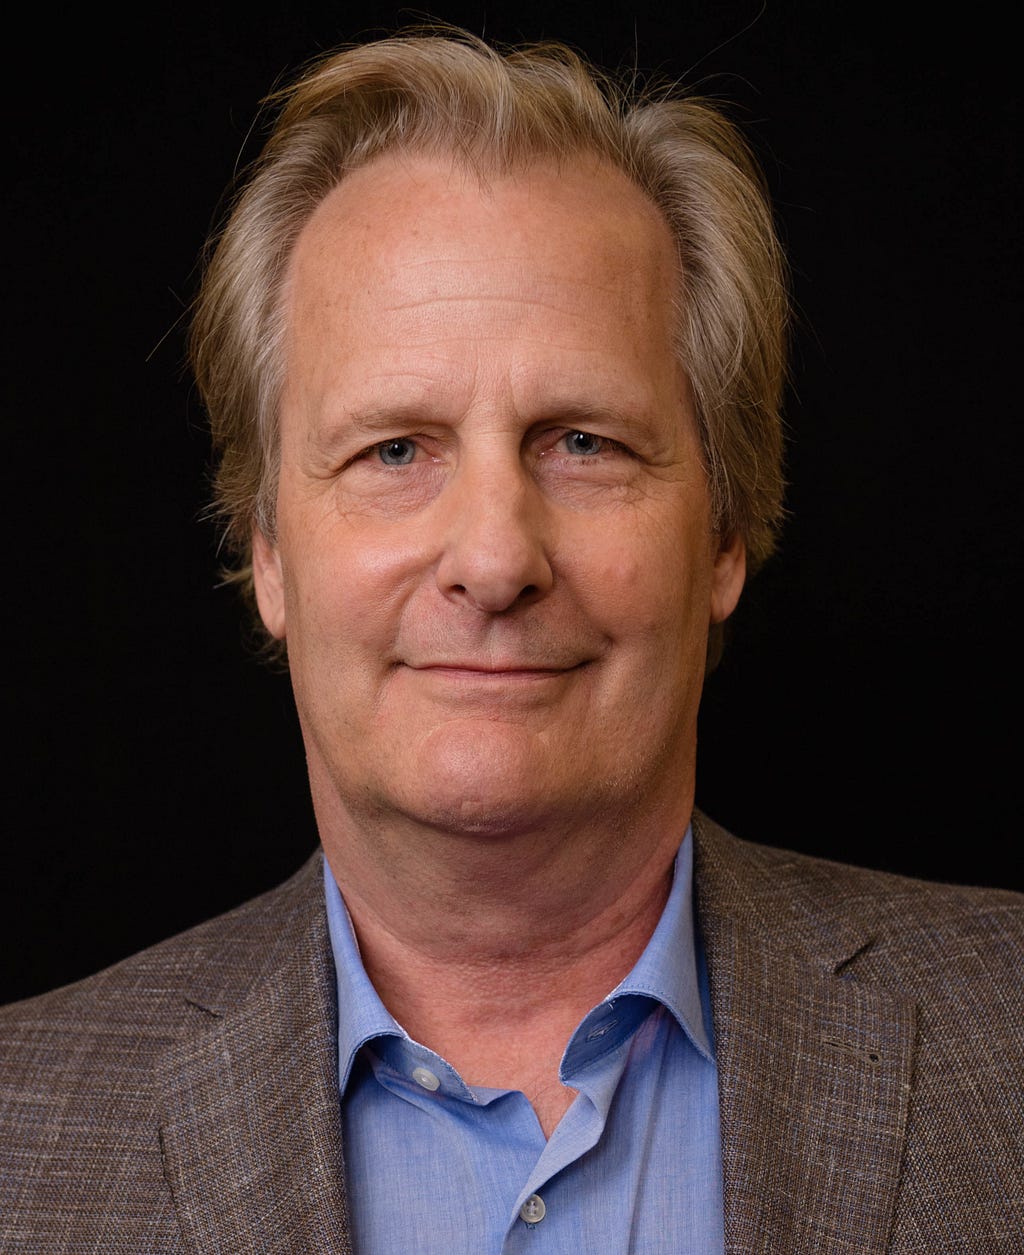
(483, 672)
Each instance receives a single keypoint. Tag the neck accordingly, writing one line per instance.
(547, 895)
(463, 935)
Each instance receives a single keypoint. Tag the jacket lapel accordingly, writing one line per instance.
(251, 1133)
(814, 1073)
(814, 1067)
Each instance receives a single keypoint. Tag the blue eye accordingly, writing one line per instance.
(585, 443)
(397, 452)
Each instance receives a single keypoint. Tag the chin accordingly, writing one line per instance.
(494, 780)
(491, 819)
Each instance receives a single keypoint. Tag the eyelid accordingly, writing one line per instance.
(373, 450)
(608, 443)
(552, 442)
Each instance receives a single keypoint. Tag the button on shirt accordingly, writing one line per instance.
(439, 1167)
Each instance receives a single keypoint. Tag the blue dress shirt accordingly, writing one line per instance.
(438, 1167)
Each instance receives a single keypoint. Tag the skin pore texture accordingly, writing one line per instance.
(495, 570)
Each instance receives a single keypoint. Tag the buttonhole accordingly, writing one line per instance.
(867, 1054)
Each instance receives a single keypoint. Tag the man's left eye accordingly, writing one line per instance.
(397, 452)
(584, 443)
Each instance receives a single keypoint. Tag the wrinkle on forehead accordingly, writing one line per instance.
(374, 203)
(552, 278)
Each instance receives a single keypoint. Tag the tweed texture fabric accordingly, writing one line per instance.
(870, 1040)
(185, 1100)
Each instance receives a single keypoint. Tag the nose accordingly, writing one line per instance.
(495, 554)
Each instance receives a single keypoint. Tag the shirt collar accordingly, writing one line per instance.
(668, 970)
(671, 967)
(361, 1014)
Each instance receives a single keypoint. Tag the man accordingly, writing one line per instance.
(493, 361)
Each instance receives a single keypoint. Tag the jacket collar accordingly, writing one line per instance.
(814, 1068)
(251, 1134)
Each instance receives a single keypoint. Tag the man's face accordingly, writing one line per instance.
(494, 563)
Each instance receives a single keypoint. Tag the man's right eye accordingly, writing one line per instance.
(397, 452)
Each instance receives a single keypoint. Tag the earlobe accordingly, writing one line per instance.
(269, 584)
(727, 577)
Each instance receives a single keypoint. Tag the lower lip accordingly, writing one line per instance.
(469, 675)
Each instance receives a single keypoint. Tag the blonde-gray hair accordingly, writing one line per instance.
(451, 93)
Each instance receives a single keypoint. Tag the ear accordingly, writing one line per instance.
(727, 577)
(269, 584)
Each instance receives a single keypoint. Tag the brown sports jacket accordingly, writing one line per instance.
(870, 1039)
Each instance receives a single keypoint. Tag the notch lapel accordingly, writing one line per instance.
(814, 1068)
(251, 1135)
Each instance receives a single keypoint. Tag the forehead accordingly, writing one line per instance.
(417, 265)
(381, 216)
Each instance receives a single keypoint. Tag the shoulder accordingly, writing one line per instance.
(788, 888)
(895, 1007)
(78, 1065)
(209, 966)
(955, 950)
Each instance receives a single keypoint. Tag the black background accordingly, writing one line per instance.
(867, 706)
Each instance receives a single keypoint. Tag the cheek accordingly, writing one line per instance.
(349, 587)
(648, 585)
